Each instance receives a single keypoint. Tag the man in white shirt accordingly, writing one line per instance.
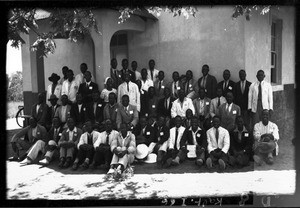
(146, 82)
(180, 105)
(63, 111)
(131, 89)
(218, 141)
(176, 152)
(103, 154)
(216, 102)
(70, 87)
(260, 97)
(266, 137)
(152, 72)
(54, 88)
(80, 77)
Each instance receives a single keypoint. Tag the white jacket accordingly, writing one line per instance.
(266, 93)
(178, 110)
(83, 138)
(134, 94)
(171, 141)
(223, 141)
(57, 92)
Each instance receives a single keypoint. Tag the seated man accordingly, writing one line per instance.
(85, 147)
(95, 110)
(54, 136)
(111, 109)
(162, 135)
(189, 85)
(63, 111)
(265, 137)
(35, 138)
(216, 102)
(103, 154)
(202, 106)
(176, 152)
(145, 134)
(187, 121)
(123, 147)
(194, 135)
(127, 113)
(241, 142)
(164, 105)
(228, 113)
(40, 110)
(79, 111)
(67, 143)
(218, 144)
(180, 105)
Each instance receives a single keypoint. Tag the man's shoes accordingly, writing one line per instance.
(14, 158)
(257, 160)
(199, 162)
(175, 161)
(61, 162)
(209, 163)
(67, 163)
(26, 161)
(222, 164)
(111, 171)
(168, 163)
(270, 160)
(85, 166)
(75, 166)
(44, 162)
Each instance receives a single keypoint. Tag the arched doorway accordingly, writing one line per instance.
(119, 46)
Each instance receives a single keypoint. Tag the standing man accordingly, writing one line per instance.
(164, 105)
(80, 77)
(218, 144)
(260, 97)
(79, 111)
(126, 70)
(175, 85)
(134, 66)
(208, 82)
(115, 74)
(180, 105)
(70, 87)
(95, 109)
(51, 110)
(228, 113)
(241, 91)
(64, 71)
(131, 89)
(160, 84)
(227, 85)
(87, 88)
(54, 88)
(40, 110)
(146, 81)
(216, 102)
(152, 72)
(188, 84)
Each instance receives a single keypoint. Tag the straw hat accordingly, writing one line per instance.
(141, 151)
(151, 158)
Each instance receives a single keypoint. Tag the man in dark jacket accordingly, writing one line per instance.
(79, 111)
(40, 110)
(87, 88)
(208, 82)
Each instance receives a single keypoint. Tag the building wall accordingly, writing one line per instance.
(176, 43)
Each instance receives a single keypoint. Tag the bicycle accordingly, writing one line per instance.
(21, 119)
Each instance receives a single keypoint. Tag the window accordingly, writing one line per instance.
(276, 51)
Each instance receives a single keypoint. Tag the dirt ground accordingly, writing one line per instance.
(66, 182)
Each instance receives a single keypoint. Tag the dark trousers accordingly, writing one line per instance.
(103, 155)
(173, 153)
(200, 153)
(220, 155)
(82, 154)
(239, 159)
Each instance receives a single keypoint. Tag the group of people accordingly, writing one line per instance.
(139, 115)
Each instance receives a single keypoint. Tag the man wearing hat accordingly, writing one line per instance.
(54, 136)
(266, 137)
(87, 88)
(54, 88)
(123, 147)
(52, 110)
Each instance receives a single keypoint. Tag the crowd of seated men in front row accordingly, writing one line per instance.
(116, 127)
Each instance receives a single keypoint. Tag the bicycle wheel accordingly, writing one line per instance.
(19, 118)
